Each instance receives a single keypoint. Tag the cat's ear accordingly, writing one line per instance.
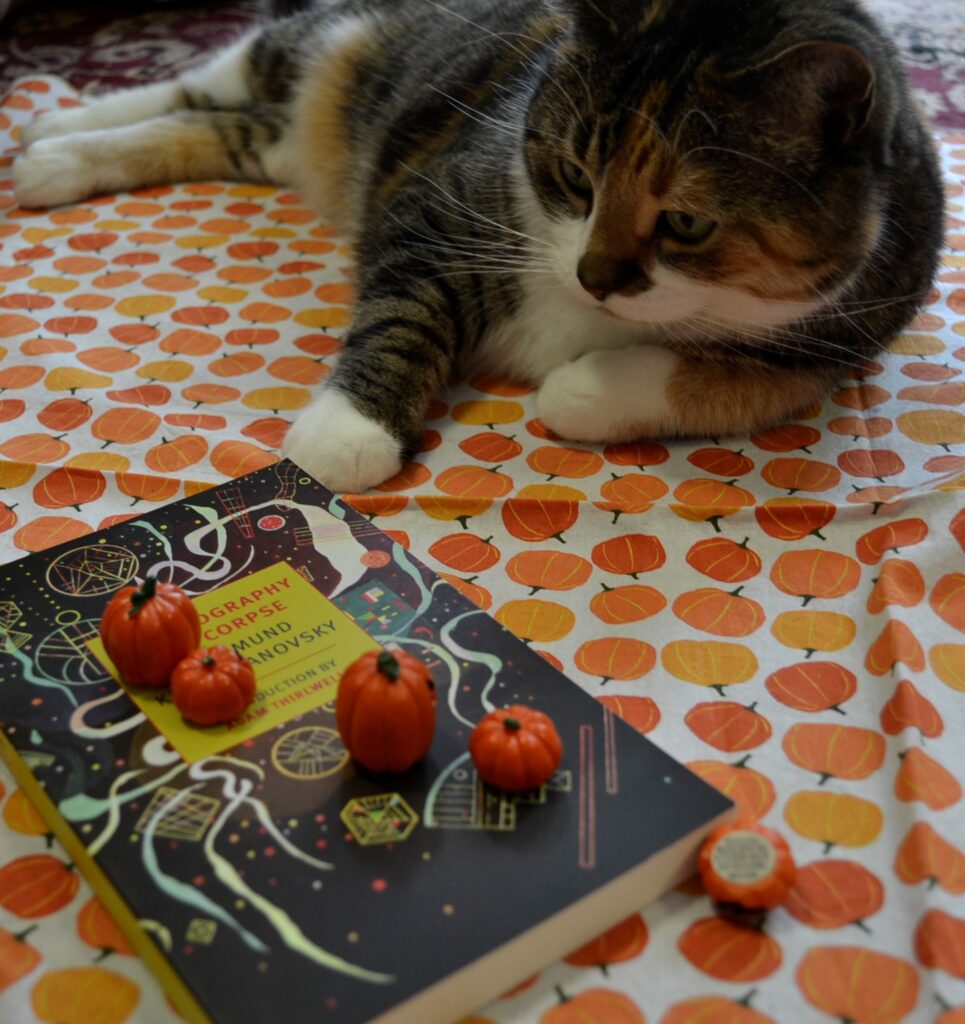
(825, 88)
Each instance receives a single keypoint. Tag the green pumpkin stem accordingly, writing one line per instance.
(388, 665)
(208, 661)
(140, 597)
(512, 724)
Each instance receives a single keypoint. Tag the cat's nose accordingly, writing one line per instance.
(600, 275)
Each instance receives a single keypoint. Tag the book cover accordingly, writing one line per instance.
(254, 864)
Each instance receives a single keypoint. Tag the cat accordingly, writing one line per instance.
(676, 217)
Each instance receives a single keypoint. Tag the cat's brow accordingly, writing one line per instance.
(759, 160)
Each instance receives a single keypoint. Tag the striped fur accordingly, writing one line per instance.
(515, 174)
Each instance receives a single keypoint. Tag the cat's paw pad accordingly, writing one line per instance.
(49, 175)
(340, 447)
(572, 404)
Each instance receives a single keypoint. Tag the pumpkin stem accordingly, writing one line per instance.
(140, 597)
(208, 661)
(388, 665)
(736, 593)
(512, 724)
(563, 997)
(743, 543)
(22, 936)
(746, 999)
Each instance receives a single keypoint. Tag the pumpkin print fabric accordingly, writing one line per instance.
(784, 612)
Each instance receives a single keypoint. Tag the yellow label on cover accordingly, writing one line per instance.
(297, 641)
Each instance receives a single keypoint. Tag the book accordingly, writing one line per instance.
(253, 864)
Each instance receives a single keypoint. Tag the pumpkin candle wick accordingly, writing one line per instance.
(388, 665)
(511, 723)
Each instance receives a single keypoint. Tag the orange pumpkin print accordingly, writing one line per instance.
(835, 893)
(171, 457)
(65, 414)
(548, 570)
(640, 712)
(943, 427)
(925, 856)
(46, 531)
(613, 657)
(957, 528)
(541, 511)
(479, 596)
(713, 663)
(487, 412)
(473, 482)
(98, 929)
(899, 583)
(940, 942)
(708, 501)
(629, 554)
(632, 602)
(859, 426)
(947, 661)
(902, 533)
(856, 984)
(713, 1010)
(728, 726)
(812, 686)
(144, 486)
(865, 396)
(124, 426)
(236, 458)
(84, 995)
(69, 488)
(786, 438)
(21, 816)
(722, 461)
(530, 619)
(8, 518)
(752, 792)
(920, 777)
(947, 600)
(871, 462)
(465, 552)
(724, 560)
(573, 463)
(490, 446)
(631, 494)
(622, 942)
(36, 885)
(411, 475)
(794, 518)
(814, 572)
(593, 1006)
(17, 957)
(834, 751)
(812, 631)
(719, 612)
(730, 952)
(835, 819)
(34, 448)
(908, 709)
(895, 643)
(800, 474)
(636, 453)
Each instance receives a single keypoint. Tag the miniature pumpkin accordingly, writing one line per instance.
(747, 864)
(515, 748)
(386, 710)
(147, 630)
(213, 685)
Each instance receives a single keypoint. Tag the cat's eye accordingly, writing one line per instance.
(686, 227)
(575, 177)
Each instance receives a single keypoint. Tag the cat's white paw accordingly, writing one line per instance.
(340, 447)
(609, 396)
(50, 174)
(54, 124)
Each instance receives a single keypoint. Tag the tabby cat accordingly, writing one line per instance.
(677, 217)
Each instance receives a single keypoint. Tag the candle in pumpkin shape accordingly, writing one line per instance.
(747, 869)
(516, 748)
(213, 685)
(147, 630)
(386, 710)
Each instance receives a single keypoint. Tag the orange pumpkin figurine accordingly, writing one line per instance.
(516, 748)
(747, 869)
(386, 710)
(213, 685)
(147, 630)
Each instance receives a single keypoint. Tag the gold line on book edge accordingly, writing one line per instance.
(170, 980)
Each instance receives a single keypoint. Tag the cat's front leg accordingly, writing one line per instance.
(617, 395)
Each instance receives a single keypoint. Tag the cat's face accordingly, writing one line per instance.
(678, 191)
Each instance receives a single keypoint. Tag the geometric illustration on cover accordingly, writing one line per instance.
(64, 654)
(374, 606)
(382, 818)
(310, 752)
(561, 781)
(188, 819)
(234, 503)
(10, 638)
(201, 930)
(92, 570)
(459, 799)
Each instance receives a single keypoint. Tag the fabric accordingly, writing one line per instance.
(784, 612)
